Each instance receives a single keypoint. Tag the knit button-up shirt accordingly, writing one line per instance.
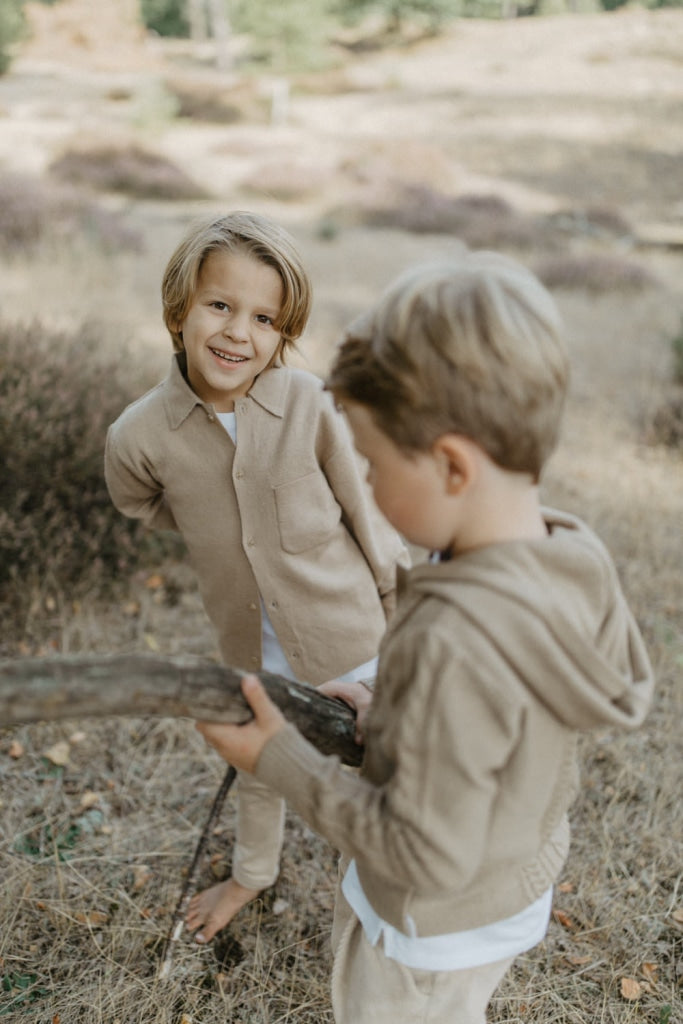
(285, 515)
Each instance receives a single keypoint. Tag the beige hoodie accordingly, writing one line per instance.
(492, 665)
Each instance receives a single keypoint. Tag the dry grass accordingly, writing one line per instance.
(89, 887)
(92, 854)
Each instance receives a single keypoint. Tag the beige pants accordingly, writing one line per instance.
(258, 834)
(370, 988)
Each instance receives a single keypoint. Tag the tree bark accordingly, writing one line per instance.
(100, 686)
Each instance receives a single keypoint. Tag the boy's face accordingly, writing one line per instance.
(410, 491)
(230, 332)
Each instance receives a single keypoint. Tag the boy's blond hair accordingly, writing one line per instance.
(249, 234)
(471, 347)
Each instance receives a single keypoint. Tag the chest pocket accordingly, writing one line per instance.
(307, 512)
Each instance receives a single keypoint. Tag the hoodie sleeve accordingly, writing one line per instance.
(426, 826)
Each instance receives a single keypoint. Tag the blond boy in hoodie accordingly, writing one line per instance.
(511, 640)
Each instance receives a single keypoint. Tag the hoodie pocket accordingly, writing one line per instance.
(307, 513)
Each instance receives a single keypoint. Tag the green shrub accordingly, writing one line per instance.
(129, 169)
(59, 531)
(167, 17)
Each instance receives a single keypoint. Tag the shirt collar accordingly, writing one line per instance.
(269, 390)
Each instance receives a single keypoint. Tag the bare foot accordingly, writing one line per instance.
(213, 908)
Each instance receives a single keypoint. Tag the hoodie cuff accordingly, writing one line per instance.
(285, 759)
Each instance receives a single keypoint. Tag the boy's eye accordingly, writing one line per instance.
(221, 306)
(263, 319)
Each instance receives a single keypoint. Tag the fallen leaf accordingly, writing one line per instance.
(631, 989)
(185, 1019)
(154, 581)
(579, 961)
(564, 919)
(678, 915)
(92, 917)
(566, 887)
(142, 873)
(59, 753)
(151, 642)
(650, 971)
(89, 799)
(15, 750)
(77, 737)
(280, 906)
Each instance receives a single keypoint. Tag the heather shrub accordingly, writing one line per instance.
(595, 272)
(482, 221)
(667, 422)
(677, 353)
(32, 212)
(58, 529)
(213, 103)
(129, 169)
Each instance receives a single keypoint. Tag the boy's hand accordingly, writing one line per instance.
(356, 695)
(241, 745)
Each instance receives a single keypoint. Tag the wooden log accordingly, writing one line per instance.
(101, 686)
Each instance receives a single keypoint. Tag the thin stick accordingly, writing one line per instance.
(178, 922)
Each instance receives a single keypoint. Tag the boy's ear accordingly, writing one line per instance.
(456, 458)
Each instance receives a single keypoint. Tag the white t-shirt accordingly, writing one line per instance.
(273, 658)
(455, 951)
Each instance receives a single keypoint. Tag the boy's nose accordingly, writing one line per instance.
(237, 328)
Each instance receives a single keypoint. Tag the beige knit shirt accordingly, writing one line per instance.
(285, 515)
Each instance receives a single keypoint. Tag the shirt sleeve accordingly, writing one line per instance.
(377, 539)
(132, 486)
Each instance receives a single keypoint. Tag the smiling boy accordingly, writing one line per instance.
(249, 460)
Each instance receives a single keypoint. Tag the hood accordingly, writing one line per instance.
(554, 610)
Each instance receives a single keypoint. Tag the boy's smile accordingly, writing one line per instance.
(230, 332)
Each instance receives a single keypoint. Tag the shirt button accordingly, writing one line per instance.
(239, 474)
(295, 654)
(251, 607)
(274, 604)
(254, 659)
(250, 542)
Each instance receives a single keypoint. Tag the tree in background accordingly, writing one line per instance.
(435, 13)
(12, 27)
(288, 35)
